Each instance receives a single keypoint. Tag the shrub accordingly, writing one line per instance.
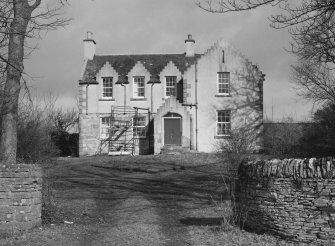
(237, 146)
(33, 129)
(288, 139)
(283, 139)
(43, 131)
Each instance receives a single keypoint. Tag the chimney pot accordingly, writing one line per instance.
(190, 43)
(89, 46)
(89, 35)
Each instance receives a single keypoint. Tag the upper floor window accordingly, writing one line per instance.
(107, 87)
(105, 124)
(223, 123)
(139, 126)
(138, 87)
(224, 83)
(222, 56)
(170, 86)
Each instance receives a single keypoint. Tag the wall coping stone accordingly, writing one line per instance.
(320, 168)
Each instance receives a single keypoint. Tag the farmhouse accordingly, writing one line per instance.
(145, 103)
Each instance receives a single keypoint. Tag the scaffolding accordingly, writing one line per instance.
(124, 129)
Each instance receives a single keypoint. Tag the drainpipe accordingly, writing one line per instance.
(152, 101)
(124, 98)
(196, 105)
(87, 99)
(191, 105)
(191, 134)
(154, 79)
(123, 80)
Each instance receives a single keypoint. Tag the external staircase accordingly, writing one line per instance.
(121, 139)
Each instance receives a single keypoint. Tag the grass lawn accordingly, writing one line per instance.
(144, 200)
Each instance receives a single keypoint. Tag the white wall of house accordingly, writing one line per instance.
(244, 92)
(244, 96)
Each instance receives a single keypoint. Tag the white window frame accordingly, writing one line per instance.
(105, 127)
(225, 81)
(107, 87)
(136, 86)
(141, 127)
(166, 86)
(225, 121)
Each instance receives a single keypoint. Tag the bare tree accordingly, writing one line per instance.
(23, 19)
(314, 82)
(310, 22)
(65, 120)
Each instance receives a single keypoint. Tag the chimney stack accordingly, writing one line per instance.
(190, 43)
(89, 46)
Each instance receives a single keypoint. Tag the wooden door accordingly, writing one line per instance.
(172, 131)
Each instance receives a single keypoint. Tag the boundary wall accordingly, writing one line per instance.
(20, 197)
(291, 198)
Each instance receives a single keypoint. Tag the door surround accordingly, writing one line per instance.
(172, 108)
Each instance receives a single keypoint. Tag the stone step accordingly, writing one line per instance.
(174, 150)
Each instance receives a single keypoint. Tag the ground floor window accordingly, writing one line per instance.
(105, 124)
(223, 123)
(139, 126)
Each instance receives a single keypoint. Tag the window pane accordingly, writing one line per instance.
(139, 126)
(223, 83)
(105, 123)
(223, 122)
(107, 87)
(170, 86)
(139, 86)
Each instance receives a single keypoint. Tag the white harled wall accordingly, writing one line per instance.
(246, 93)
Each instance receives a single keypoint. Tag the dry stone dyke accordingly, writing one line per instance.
(20, 197)
(292, 198)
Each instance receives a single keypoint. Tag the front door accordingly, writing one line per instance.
(172, 131)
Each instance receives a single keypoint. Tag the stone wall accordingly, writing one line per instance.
(89, 134)
(292, 198)
(20, 197)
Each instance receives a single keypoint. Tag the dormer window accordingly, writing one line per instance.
(138, 87)
(170, 86)
(107, 87)
(224, 84)
(222, 56)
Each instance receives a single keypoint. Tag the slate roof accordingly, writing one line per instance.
(124, 63)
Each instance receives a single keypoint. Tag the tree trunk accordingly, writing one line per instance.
(21, 18)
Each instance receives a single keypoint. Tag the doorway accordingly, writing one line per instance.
(172, 131)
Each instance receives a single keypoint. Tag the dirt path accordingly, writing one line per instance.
(136, 223)
(125, 202)
(145, 202)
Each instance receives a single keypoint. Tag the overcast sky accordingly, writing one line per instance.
(161, 26)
